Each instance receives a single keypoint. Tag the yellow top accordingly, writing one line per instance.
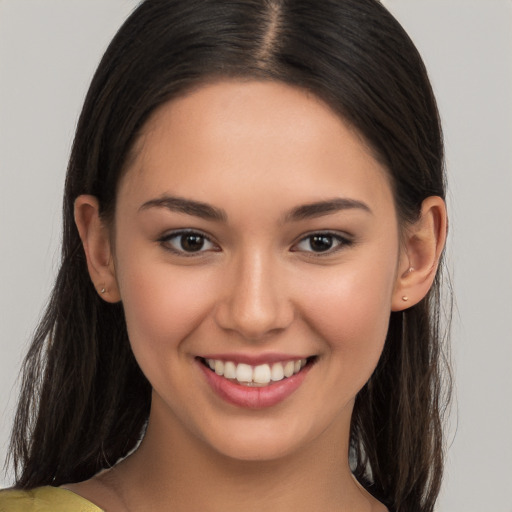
(44, 499)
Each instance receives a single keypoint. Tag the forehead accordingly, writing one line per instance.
(251, 139)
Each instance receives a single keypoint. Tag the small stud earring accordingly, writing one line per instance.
(411, 269)
(103, 290)
(405, 298)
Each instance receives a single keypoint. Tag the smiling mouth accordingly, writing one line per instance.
(257, 376)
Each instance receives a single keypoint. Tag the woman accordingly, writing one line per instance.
(253, 226)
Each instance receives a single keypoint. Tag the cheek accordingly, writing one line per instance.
(350, 309)
(163, 305)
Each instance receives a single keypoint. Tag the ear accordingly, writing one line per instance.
(97, 246)
(420, 253)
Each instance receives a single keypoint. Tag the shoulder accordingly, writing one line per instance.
(44, 499)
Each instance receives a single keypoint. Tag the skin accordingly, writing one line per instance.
(258, 151)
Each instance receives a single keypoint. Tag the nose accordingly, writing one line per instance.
(255, 302)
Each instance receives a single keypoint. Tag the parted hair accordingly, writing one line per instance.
(84, 402)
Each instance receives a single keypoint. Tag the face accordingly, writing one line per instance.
(256, 254)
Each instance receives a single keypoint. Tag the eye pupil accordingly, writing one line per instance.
(192, 242)
(320, 243)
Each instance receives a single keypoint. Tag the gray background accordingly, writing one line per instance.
(48, 52)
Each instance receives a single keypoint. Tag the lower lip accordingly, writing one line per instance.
(254, 397)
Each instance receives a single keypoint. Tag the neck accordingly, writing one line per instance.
(174, 470)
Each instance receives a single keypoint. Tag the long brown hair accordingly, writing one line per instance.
(84, 401)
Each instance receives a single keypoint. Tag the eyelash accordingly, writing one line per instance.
(165, 241)
(340, 241)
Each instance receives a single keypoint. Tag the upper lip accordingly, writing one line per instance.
(255, 359)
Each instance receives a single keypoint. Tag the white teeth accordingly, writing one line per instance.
(289, 368)
(219, 367)
(230, 370)
(277, 372)
(244, 373)
(261, 374)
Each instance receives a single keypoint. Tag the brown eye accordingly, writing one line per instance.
(191, 242)
(322, 243)
(187, 243)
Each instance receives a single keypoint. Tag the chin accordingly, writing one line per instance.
(265, 442)
(250, 450)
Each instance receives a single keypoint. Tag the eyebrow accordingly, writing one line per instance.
(187, 206)
(208, 212)
(320, 208)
